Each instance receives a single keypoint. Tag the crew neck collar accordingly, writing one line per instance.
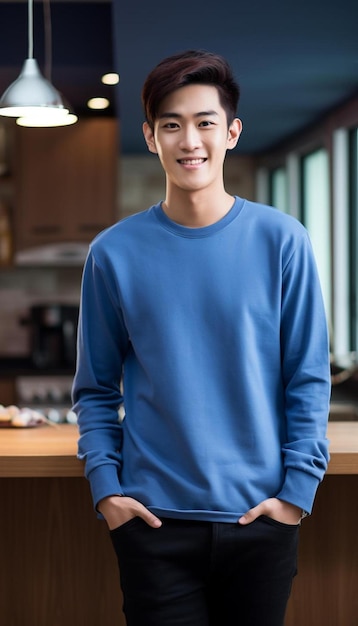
(201, 231)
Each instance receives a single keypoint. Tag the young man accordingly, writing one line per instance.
(208, 307)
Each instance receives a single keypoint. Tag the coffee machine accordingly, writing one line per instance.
(53, 335)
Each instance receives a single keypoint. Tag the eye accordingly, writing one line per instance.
(171, 125)
(205, 123)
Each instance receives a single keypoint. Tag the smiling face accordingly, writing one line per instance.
(191, 137)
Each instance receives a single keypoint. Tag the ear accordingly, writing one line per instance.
(149, 138)
(235, 129)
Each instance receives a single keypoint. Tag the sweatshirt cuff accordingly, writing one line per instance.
(299, 488)
(104, 482)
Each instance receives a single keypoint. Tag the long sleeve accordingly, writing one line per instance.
(102, 344)
(306, 377)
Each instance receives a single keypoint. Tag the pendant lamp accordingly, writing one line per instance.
(31, 96)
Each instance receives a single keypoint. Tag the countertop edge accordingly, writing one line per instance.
(52, 457)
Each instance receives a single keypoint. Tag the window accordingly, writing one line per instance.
(341, 336)
(316, 216)
(278, 189)
(314, 177)
(353, 238)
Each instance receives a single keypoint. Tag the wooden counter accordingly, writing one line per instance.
(343, 448)
(40, 451)
(49, 451)
(58, 565)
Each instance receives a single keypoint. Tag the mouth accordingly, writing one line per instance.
(191, 161)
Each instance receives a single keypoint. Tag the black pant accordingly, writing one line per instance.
(190, 573)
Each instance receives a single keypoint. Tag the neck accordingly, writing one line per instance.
(197, 209)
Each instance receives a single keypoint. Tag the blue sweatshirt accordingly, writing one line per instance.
(219, 337)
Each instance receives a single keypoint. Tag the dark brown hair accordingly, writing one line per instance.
(188, 68)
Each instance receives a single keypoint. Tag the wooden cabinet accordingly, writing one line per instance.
(7, 391)
(58, 565)
(6, 192)
(65, 182)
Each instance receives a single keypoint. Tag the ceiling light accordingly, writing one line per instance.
(31, 93)
(47, 119)
(110, 79)
(98, 103)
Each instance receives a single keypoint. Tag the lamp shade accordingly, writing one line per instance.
(30, 91)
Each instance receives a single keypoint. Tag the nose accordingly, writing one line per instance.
(190, 138)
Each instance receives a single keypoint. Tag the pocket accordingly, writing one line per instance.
(123, 536)
(133, 540)
(282, 525)
(125, 526)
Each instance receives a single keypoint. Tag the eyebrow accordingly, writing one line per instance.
(168, 114)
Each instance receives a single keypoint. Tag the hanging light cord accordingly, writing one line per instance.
(48, 39)
(30, 9)
(48, 35)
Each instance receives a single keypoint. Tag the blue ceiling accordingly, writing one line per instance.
(293, 62)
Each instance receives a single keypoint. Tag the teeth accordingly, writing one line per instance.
(192, 161)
